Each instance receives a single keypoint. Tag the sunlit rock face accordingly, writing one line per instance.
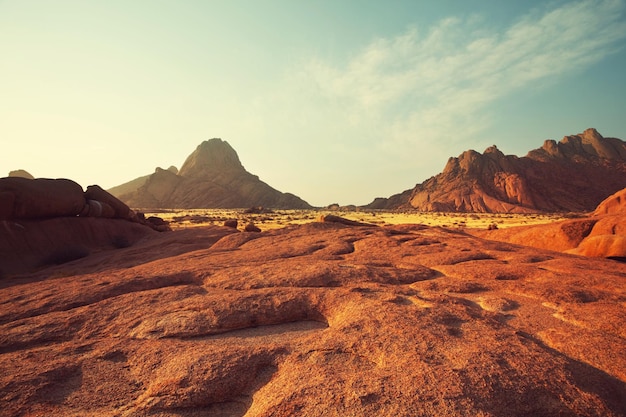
(328, 318)
(211, 177)
(574, 174)
(600, 234)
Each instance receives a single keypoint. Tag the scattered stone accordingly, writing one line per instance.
(258, 210)
(250, 227)
(331, 218)
(231, 223)
(158, 224)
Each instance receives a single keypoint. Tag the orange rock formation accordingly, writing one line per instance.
(324, 319)
(573, 175)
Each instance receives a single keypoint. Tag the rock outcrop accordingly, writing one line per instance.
(30, 245)
(211, 177)
(602, 234)
(51, 221)
(573, 175)
(323, 319)
(22, 198)
(20, 173)
(133, 185)
(614, 204)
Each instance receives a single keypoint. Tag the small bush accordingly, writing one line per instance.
(492, 226)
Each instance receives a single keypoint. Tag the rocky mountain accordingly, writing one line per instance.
(573, 175)
(20, 173)
(137, 183)
(211, 177)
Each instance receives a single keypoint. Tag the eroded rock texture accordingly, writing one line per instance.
(324, 319)
(573, 175)
(601, 234)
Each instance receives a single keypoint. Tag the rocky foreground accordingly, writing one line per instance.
(323, 319)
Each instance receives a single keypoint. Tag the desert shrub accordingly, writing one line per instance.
(61, 256)
(574, 215)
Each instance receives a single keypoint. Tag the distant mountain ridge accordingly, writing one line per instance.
(135, 184)
(211, 177)
(573, 175)
(21, 174)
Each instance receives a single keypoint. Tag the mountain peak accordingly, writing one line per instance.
(213, 155)
(21, 173)
(493, 152)
(591, 134)
(211, 177)
(574, 174)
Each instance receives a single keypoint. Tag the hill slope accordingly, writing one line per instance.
(574, 174)
(211, 177)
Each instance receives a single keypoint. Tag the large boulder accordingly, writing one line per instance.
(28, 245)
(41, 198)
(120, 209)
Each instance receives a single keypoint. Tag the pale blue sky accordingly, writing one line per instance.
(335, 101)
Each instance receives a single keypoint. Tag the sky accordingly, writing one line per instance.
(336, 101)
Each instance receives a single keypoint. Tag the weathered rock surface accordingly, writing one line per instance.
(211, 177)
(602, 234)
(573, 175)
(23, 198)
(323, 319)
(52, 221)
(28, 245)
(614, 204)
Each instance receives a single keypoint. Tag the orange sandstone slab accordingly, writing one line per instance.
(323, 319)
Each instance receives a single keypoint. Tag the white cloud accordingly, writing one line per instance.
(440, 80)
(402, 102)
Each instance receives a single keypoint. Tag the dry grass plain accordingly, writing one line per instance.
(275, 219)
